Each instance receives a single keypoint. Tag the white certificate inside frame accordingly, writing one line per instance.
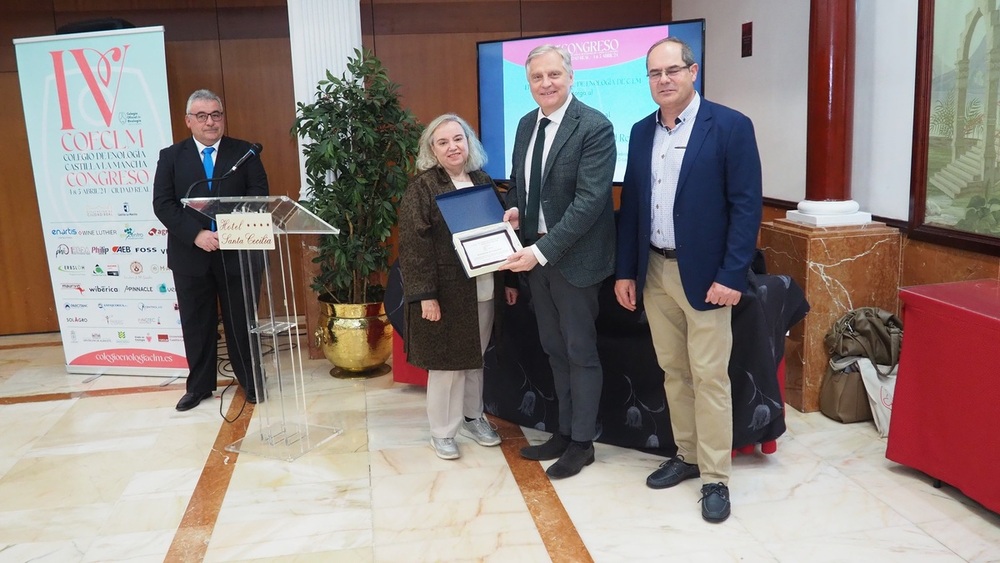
(484, 249)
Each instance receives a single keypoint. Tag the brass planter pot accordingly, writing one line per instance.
(355, 337)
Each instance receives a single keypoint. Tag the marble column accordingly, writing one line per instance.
(840, 258)
(323, 34)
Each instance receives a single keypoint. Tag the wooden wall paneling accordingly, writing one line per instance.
(260, 106)
(772, 212)
(191, 65)
(282, 4)
(191, 24)
(267, 22)
(408, 17)
(26, 298)
(22, 18)
(539, 17)
(429, 49)
(925, 262)
(367, 25)
(131, 5)
(262, 110)
(436, 72)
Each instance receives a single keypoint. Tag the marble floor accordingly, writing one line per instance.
(106, 470)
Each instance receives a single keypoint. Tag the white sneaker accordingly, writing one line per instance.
(481, 431)
(445, 448)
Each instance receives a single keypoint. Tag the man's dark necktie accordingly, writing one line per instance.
(529, 225)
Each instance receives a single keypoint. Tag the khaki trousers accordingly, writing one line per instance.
(693, 348)
(453, 395)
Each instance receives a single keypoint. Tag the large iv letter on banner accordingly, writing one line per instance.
(97, 111)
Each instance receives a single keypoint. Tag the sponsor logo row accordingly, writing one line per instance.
(109, 305)
(77, 336)
(126, 232)
(110, 320)
(91, 289)
(135, 268)
(101, 250)
(124, 209)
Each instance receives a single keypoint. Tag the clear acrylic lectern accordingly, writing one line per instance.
(284, 430)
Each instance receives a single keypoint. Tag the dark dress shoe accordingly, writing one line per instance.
(671, 472)
(251, 396)
(715, 505)
(550, 449)
(572, 461)
(191, 400)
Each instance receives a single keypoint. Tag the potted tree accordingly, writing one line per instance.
(360, 144)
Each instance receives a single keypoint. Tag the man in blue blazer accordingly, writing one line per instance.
(690, 212)
(560, 197)
(206, 279)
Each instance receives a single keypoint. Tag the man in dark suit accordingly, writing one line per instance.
(563, 164)
(205, 277)
(690, 212)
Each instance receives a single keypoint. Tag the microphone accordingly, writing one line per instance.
(254, 150)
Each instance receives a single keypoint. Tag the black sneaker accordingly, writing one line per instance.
(672, 472)
(714, 501)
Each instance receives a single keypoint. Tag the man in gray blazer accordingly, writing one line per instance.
(560, 198)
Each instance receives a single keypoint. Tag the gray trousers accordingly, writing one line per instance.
(565, 315)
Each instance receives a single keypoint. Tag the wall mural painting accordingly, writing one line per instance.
(956, 173)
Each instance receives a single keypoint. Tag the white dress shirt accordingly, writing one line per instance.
(669, 146)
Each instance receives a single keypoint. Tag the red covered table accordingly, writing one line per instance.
(946, 405)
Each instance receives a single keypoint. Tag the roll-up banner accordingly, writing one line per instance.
(97, 113)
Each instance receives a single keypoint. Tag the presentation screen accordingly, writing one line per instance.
(609, 74)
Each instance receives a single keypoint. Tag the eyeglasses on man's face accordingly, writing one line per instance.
(671, 72)
(202, 117)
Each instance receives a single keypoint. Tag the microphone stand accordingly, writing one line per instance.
(203, 180)
(187, 194)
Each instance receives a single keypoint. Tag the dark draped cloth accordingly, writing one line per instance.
(633, 413)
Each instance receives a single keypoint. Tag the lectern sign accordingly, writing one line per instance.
(245, 231)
